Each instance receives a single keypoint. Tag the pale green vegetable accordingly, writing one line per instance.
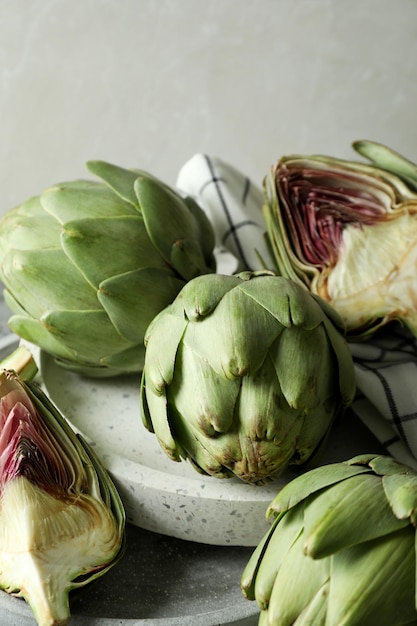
(341, 548)
(348, 232)
(62, 523)
(245, 375)
(87, 265)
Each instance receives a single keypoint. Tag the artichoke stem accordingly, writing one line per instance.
(22, 362)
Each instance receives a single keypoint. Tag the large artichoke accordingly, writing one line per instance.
(341, 549)
(244, 375)
(348, 231)
(88, 264)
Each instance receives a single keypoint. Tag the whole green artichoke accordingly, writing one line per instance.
(87, 265)
(244, 375)
(341, 549)
(348, 231)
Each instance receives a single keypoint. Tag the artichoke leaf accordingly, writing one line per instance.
(304, 385)
(205, 229)
(36, 282)
(364, 591)
(327, 528)
(74, 329)
(208, 455)
(126, 361)
(306, 484)
(283, 534)
(188, 260)
(250, 572)
(166, 330)
(23, 232)
(93, 238)
(300, 578)
(156, 406)
(222, 345)
(401, 493)
(283, 299)
(36, 333)
(264, 413)
(212, 410)
(81, 199)
(130, 314)
(387, 159)
(200, 297)
(346, 376)
(118, 179)
(384, 465)
(315, 612)
(166, 216)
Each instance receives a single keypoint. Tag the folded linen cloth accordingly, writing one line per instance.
(385, 366)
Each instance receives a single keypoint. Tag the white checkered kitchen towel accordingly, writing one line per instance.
(386, 368)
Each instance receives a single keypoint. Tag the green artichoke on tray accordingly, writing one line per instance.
(347, 230)
(87, 265)
(341, 549)
(245, 375)
(62, 522)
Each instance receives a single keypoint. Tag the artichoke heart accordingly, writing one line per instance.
(62, 523)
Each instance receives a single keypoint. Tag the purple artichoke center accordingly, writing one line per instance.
(29, 449)
(317, 206)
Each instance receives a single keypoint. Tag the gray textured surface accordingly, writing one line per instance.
(160, 581)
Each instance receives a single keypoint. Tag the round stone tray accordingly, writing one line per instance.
(162, 495)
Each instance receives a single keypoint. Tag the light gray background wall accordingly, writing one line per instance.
(148, 83)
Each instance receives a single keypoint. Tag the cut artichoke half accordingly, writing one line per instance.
(62, 522)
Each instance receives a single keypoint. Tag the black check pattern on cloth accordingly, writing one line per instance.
(385, 366)
(232, 203)
(386, 400)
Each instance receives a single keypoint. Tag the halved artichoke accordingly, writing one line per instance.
(348, 232)
(62, 522)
